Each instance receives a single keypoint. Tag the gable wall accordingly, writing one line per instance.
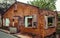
(23, 10)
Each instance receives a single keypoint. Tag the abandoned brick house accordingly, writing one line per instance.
(30, 19)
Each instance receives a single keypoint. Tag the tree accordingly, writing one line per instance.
(5, 4)
(44, 4)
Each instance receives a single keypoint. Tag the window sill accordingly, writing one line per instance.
(51, 26)
(31, 27)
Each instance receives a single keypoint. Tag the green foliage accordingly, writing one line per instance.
(44, 4)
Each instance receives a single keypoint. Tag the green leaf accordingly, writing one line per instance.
(44, 4)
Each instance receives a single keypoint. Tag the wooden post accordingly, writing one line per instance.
(2, 19)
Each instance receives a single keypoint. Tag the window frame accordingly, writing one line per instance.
(46, 21)
(26, 17)
(6, 22)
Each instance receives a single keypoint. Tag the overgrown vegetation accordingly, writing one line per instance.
(44, 4)
(5, 4)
